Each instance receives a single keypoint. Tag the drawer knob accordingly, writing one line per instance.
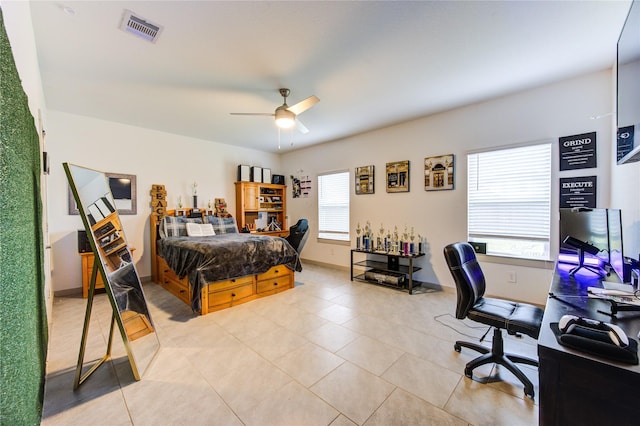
(275, 284)
(233, 295)
(182, 291)
(277, 271)
(233, 280)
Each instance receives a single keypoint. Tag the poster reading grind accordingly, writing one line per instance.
(578, 151)
(578, 192)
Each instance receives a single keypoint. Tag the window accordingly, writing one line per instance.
(509, 201)
(333, 206)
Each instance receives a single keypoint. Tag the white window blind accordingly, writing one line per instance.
(333, 206)
(509, 201)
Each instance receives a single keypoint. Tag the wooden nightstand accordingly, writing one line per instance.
(87, 267)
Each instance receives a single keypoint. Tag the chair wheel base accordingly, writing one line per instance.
(496, 355)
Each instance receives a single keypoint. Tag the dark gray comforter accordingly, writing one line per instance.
(221, 257)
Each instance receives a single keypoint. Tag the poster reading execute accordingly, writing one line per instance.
(578, 192)
(578, 151)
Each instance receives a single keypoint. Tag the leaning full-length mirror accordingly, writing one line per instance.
(122, 283)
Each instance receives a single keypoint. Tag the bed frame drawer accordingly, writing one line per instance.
(178, 288)
(231, 295)
(170, 281)
(166, 273)
(276, 271)
(274, 285)
(234, 282)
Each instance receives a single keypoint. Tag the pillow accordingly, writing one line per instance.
(223, 225)
(176, 226)
(199, 230)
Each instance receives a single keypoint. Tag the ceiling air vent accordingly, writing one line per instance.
(139, 27)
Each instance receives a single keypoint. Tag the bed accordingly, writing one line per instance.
(214, 272)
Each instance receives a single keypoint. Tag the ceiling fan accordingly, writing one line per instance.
(286, 116)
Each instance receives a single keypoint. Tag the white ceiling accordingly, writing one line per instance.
(372, 64)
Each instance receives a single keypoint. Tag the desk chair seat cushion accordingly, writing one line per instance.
(512, 316)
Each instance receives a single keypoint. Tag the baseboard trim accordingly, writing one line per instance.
(327, 265)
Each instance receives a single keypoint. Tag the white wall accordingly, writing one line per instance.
(549, 112)
(625, 195)
(155, 158)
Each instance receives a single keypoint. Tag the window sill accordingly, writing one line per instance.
(530, 263)
(337, 242)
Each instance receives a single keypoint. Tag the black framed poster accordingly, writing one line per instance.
(625, 141)
(578, 151)
(578, 192)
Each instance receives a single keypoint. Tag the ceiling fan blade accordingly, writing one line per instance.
(301, 127)
(304, 105)
(253, 113)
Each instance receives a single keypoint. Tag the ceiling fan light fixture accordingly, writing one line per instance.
(285, 119)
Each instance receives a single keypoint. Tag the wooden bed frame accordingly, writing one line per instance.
(220, 294)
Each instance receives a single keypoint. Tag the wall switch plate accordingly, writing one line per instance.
(480, 248)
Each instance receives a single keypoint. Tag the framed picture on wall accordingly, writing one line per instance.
(398, 176)
(439, 173)
(364, 180)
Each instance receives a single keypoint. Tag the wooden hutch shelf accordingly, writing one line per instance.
(262, 200)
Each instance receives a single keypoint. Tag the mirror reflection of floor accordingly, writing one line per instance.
(137, 325)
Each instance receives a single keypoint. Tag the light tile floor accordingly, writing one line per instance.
(328, 352)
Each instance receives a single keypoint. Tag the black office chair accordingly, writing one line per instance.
(298, 235)
(501, 314)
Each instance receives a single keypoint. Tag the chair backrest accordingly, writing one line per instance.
(298, 234)
(467, 274)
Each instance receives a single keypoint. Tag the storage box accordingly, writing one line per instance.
(244, 173)
(386, 277)
(256, 174)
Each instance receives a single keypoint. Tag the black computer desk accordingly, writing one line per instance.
(577, 388)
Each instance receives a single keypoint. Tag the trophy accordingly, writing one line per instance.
(379, 242)
(404, 249)
(412, 247)
(367, 236)
(394, 245)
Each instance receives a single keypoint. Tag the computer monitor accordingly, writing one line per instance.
(616, 257)
(601, 228)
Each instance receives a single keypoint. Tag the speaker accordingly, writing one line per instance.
(277, 179)
(83, 242)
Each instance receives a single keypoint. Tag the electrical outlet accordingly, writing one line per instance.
(480, 248)
(512, 277)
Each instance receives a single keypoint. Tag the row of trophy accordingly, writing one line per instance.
(387, 241)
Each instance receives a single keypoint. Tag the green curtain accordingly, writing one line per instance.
(23, 324)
